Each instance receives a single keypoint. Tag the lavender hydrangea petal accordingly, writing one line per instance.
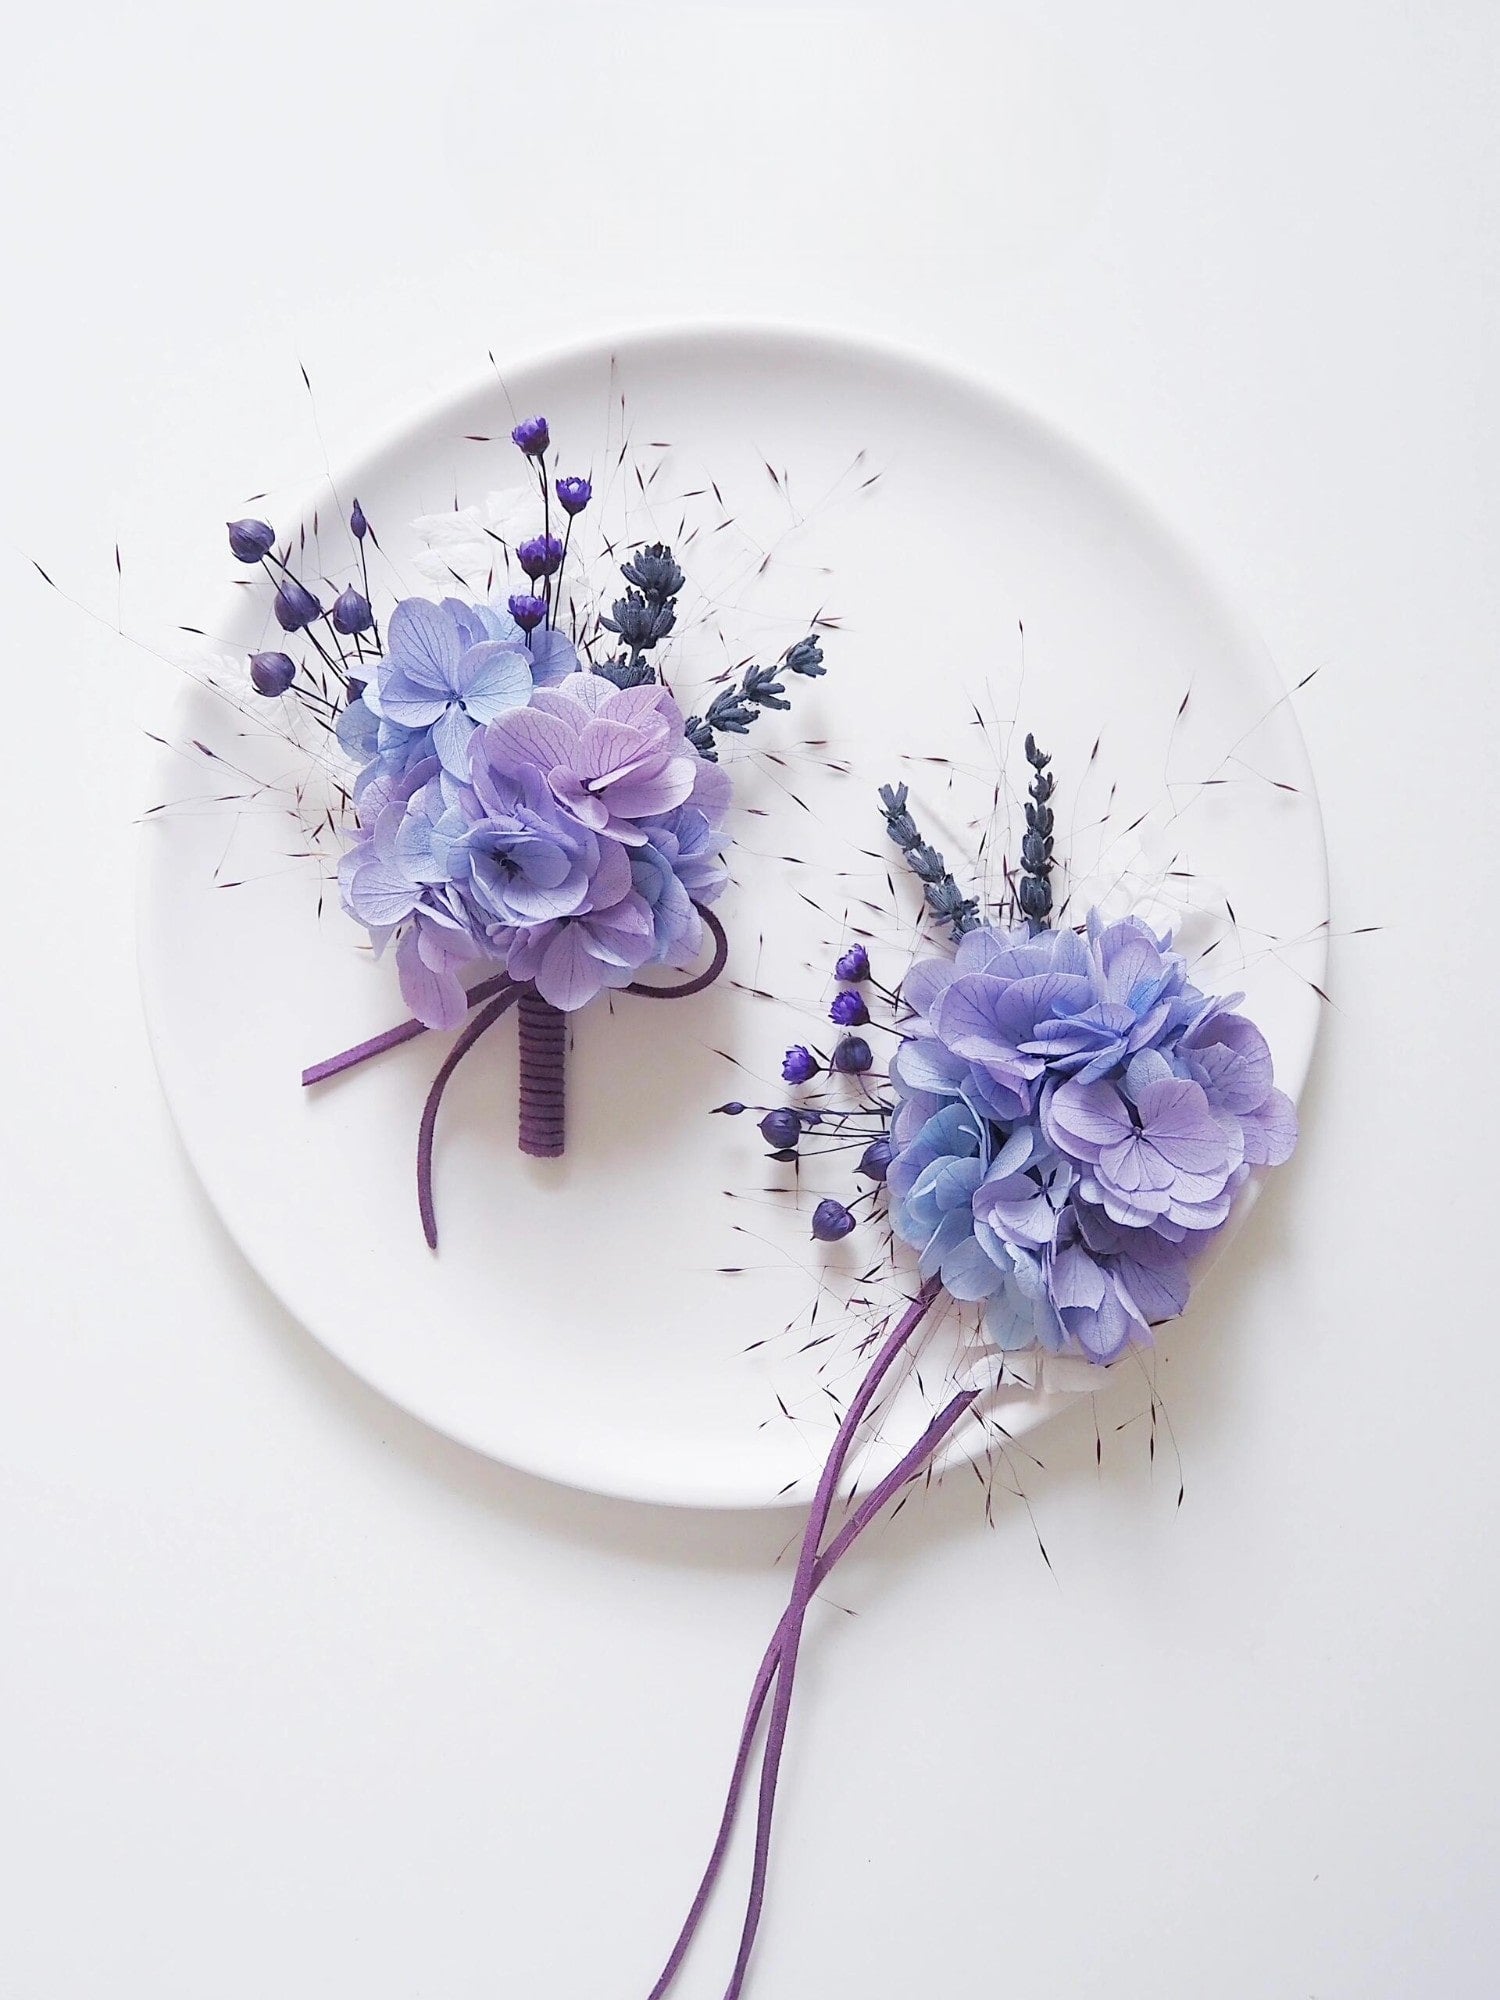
(491, 678)
(530, 739)
(1270, 1130)
(435, 996)
(553, 657)
(452, 734)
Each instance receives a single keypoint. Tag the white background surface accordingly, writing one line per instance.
(296, 1698)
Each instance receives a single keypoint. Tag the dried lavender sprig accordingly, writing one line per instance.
(644, 616)
(734, 709)
(943, 895)
(1034, 888)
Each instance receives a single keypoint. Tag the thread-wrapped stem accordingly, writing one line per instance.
(544, 1067)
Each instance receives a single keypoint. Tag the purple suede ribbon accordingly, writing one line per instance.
(544, 1052)
(780, 1662)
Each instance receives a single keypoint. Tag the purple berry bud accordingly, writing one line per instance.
(250, 541)
(351, 613)
(574, 494)
(533, 436)
(854, 965)
(528, 612)
(271, 673)
(359, 527)
(875, 1160)
(781, 1129)
(798, 1065)
(852, 1057)
(831, 1221)
(541, 556)
(848, 1009)
(730, 1110)
(295, 605)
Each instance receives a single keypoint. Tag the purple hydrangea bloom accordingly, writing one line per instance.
(678, 869)
(933, 1179)
(383, 885)
(612, 756)
(567, 832)
(446, 673)
(1148, 1146)
(1074, 1117)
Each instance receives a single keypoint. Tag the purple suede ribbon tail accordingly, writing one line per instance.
(780, 1662)
(544, 1059)
(392, 1038)
(477, 1025)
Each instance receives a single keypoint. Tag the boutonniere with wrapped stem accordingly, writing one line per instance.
(535, 821)
(1063, 1129)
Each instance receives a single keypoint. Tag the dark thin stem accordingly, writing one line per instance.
(364, 577)
(340, 666)
(562, 568)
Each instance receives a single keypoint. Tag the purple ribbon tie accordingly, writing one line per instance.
(543, 1042)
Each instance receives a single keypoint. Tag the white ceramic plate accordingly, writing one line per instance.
(579, 1320)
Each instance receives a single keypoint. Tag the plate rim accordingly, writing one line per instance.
(810, 339)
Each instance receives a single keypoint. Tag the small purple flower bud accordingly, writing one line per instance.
(541, 556)
(781, 1129)
(730, 1110)
(831, 1221)
(574, 494)
(295, 605)
(528, 612)
(852, 1057)
(854, 965)
(271, 673)
(359, 527)
(351, 613)
(875, 1160)
(533, 436)
(250, 541)
(848, 1009)
(798, 1065)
